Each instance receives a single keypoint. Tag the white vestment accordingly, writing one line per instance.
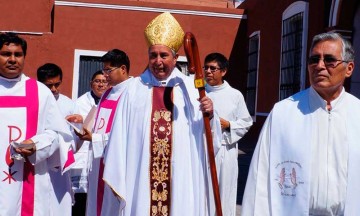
(103, 201)
(66, 105)
(28, 110)
(84, 104)
(230, 105)
(307, 159)
(62, 192)
(79, 172)
(127, 155)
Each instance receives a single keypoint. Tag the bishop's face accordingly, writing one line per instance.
(162, 61)
(12, 60)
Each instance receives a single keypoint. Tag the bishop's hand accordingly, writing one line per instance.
(206, 106)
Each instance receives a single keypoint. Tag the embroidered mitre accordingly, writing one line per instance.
(165, 30)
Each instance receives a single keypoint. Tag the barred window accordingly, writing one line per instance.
(88, 66)
(291, 55)
(252, 74)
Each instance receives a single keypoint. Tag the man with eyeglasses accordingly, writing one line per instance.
(98, 85)
(307, 158)
(101, 200)
(79, 173)
(235, 122)
(155, 160)
(34, 137)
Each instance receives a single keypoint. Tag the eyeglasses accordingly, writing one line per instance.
(108, 71)
(212, 68)
(329, 61)
(97, 81)
(50, 85)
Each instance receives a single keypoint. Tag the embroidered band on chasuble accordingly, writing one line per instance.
(31, 102)
(160, 151)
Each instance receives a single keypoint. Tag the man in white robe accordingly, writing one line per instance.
(31, 118)
(307, 158)
(51, 75)
(235, 122)
(155, 161)
(79, 172)
(100, 199)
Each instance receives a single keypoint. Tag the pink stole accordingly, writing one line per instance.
(31, 102)
(108, 104)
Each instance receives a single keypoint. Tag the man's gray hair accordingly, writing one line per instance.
(172, 51)
(348, 53)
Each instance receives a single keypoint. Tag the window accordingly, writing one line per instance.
(88, 66)
(293, 55)
(87, 62)
(252, 73)
(182, 65)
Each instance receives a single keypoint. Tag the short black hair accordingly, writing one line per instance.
(9, 37)
(99, 72)
(48, 70)
(116, 58)
(222, 61)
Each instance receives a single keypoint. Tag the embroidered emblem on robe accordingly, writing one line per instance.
(288, 178)
(160, 151)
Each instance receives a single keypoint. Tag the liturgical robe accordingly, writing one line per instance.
(28, 110)
(229, 104)
(62, 191)
(307, 159)
(127, 157)
(101, 200)
(79, 172)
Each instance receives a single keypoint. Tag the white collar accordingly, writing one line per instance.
(210, 88)
(175, 78)
(16, 79)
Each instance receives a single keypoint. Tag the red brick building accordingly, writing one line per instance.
(266, 41)
(71, 33)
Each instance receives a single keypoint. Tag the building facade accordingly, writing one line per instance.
(74, 34)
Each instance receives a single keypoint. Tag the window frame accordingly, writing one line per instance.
(292, 10)
(78, 53)
(254, 34)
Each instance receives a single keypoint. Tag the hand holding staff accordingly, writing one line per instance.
(192, 54)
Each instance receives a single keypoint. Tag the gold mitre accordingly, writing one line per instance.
(165, 30)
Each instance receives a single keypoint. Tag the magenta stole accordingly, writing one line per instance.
(107, 104)
(31, 102)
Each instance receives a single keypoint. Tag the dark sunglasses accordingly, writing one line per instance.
(329, 61)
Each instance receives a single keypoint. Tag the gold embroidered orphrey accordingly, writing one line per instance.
(160, 160)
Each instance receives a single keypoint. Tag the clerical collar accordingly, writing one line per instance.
(96, 98)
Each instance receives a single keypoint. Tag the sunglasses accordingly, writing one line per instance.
(329, 61)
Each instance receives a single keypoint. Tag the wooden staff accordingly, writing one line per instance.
(192, 55)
